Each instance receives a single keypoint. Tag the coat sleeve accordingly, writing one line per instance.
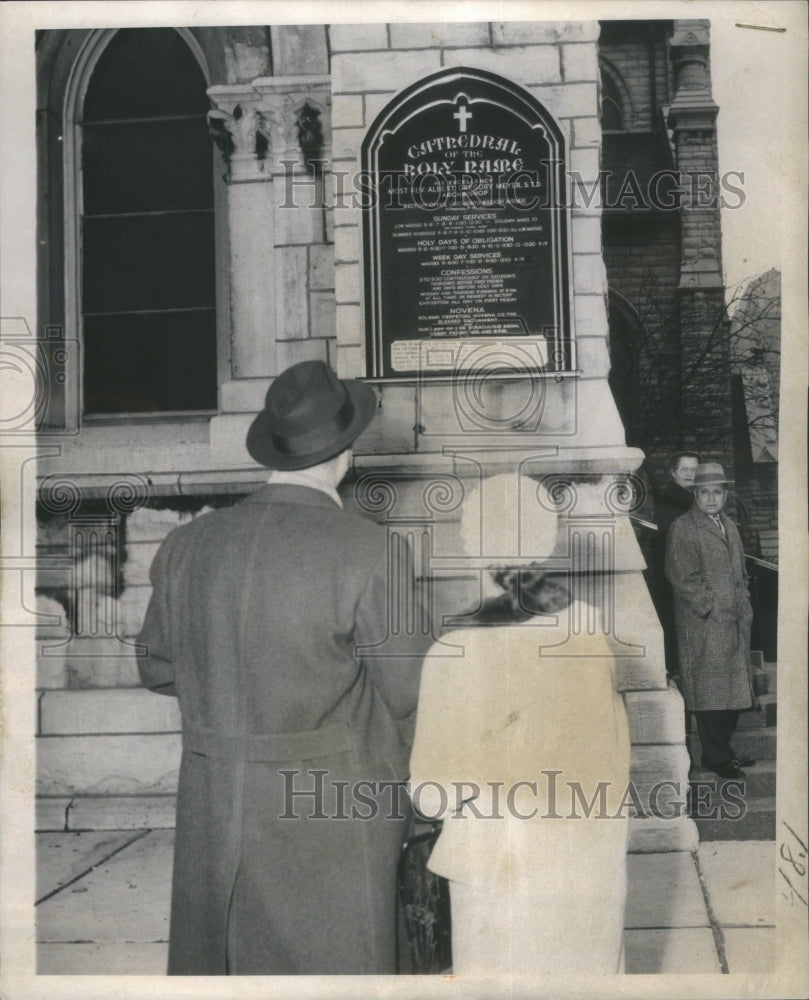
(684, 569)
(155, 663)
(394, 665)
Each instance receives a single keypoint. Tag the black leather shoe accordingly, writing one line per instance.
(728, 770)
(744, 761)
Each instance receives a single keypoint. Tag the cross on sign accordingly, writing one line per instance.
(463, 114)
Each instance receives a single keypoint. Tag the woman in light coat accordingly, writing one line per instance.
(522, 748)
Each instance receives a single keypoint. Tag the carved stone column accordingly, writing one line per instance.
(275, 136)
(242, 133)
(298, 110)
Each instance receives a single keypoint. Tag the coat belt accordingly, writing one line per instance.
(267, 747)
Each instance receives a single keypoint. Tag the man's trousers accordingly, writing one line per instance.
(716, 730)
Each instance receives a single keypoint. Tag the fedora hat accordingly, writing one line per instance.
(309, 416)
(710, 474)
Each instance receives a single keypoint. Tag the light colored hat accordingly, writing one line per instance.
(710, 474)
(508, 520)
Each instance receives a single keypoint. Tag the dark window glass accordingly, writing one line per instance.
(146, 262)
(147, 363)
(145, 73)
(133, 167)
(147, 230)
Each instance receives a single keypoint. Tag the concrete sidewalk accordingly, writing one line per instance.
(104, 906)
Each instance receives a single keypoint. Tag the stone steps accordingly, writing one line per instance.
(105, 812)
(757, 743)
(128, 764)
(107, 710)
(758, 782)
(756, 822)
(108, 757)
(750, 719)
(749, 811)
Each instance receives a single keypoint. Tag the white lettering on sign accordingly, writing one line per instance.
(477, 354)
(467, 141)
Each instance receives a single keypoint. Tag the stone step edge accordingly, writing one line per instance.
(84, 813)
(755, 805)
(768, 733)
(766, 765)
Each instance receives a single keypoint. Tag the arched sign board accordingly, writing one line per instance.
(465, 233)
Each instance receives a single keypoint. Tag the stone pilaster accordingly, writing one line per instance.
(274, 133)
(692, 118)
(242, 132)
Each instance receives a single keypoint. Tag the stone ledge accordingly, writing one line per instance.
(108, 765)
(59, 671)
(660, 836)
(109, 711)
(569, 459)
(107, 812)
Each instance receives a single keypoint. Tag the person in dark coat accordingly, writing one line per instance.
(676, 497)
(712, 611)
(673, 500)
(295, 736)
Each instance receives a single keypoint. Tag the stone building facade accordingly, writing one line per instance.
(284, 110)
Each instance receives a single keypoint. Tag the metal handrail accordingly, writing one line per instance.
(762, 562)
(651, 526)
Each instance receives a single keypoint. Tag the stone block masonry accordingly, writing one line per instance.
(108, 751)
(556, 62)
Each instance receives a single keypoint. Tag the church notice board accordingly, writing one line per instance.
(466, 237)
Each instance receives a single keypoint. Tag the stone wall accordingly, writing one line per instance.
(108, 751)
(630, 50)
(557, 63)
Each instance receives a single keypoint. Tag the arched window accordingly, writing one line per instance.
(612, 117)
(626, 345)
(617, 109)
(146, 304)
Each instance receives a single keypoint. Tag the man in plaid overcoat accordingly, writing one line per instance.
(712, 613)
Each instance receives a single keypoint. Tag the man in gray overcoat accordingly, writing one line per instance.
(712, 613)
(261, 622)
